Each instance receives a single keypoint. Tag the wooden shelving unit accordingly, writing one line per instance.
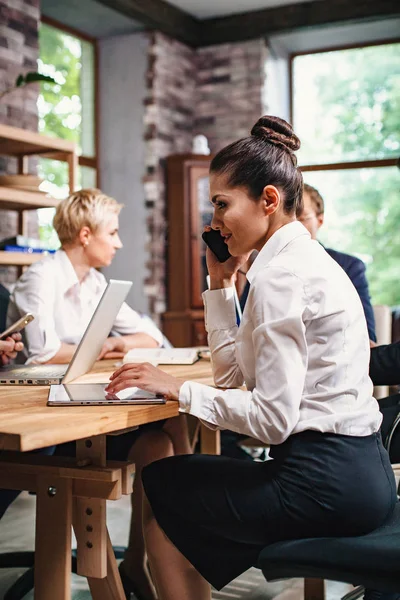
(17, 199)
(21, 143)
(19, 259)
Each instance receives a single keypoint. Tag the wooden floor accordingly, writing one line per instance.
(17, 533)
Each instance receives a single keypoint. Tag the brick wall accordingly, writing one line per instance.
(216, 91)
(19, 50)
(169, 113)
(229, 89)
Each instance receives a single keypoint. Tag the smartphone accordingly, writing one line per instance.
(215, 242)
(17, 326)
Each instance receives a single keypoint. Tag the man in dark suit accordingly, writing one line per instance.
(384, 369)
(312, 217)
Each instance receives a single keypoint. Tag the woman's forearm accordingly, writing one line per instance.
(64, 354)
(217, 284)
(139, 340)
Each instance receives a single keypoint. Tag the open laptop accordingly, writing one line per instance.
(86, 353)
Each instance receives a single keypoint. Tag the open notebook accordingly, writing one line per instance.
(162, 356)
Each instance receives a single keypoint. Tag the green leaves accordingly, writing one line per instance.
(23, 80)
(32, 77)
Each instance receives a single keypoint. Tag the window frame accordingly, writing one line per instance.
(85, 161)
(356, 164)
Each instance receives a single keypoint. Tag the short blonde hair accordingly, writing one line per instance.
(83, 208)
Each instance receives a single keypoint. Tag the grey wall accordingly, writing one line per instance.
(122, 68)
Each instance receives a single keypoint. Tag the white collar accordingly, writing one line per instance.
(281, 238)
(69, 277)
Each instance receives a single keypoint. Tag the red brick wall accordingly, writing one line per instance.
(19, 50)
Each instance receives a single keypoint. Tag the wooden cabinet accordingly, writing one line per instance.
(188, 210)
(22, 144)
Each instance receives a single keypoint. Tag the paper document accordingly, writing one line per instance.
(162, 356)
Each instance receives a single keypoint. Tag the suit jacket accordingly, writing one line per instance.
(355, 269)
(384, 366)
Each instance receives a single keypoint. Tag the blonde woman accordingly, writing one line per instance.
(62, 291)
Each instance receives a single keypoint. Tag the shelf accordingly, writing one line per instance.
(21, 142)
(16, 199)
(20, 259)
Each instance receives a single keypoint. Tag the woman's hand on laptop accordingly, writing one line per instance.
(146, 377)
(9, 348)
(115, 345)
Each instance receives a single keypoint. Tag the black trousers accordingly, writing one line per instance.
(221, 512)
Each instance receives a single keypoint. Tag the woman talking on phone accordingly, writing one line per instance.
(302, 350)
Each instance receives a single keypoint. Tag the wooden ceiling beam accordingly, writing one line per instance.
(164, 17)
(161, 16)
(281, 19)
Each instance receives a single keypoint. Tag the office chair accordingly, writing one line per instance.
(369, 561)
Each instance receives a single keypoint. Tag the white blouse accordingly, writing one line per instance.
(302, 348)
(63, 307)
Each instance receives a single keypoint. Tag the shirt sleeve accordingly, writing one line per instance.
(357, 274)
(221, 326)
(33, 294)
(128, 321)
(278, 303)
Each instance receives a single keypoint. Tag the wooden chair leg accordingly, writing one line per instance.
(314, 589)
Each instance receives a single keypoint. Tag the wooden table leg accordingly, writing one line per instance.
(210, 441)
(95, 554)
(53, 538)
(314, 589)
(109, 588)
(89, 516)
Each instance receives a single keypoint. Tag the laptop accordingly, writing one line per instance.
(87, 351)
(94, 394)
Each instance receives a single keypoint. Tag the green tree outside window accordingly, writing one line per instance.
(347, 108)
(66, 110)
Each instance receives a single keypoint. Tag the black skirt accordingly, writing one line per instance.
(221, 512)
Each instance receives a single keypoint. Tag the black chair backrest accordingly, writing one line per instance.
(4, 300)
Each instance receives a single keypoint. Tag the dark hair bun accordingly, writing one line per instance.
(276, 131)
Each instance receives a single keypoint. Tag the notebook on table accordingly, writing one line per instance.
(162, 356)
(87, 351)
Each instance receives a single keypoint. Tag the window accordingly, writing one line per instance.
(66, 110)
(346, 111)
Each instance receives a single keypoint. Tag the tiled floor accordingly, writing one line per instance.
(17, 533)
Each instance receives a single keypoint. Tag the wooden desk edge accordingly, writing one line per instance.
(34, 440)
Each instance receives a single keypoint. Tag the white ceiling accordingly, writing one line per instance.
(204, 9)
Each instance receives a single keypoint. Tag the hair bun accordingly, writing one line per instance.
(276, 131)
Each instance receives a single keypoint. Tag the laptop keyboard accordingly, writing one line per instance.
(40, 371)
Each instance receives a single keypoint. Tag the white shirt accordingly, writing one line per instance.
(63, 307)
(302, 348)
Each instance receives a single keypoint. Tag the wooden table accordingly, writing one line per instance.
(74, 491)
